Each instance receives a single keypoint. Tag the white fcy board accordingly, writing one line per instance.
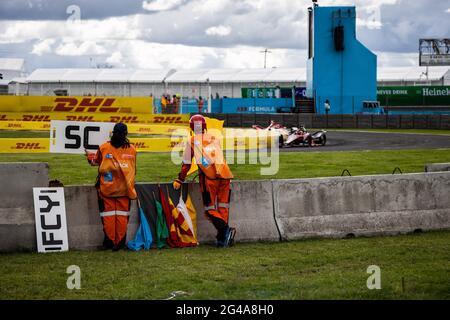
(76, 136)
(50, 217)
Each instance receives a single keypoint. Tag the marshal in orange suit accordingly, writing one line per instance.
(214, 175)
(115, 185)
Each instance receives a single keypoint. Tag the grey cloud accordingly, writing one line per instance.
(56, 9)
(405, 23)
(276, 27)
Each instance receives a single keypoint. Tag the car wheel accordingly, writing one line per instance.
(324, 141)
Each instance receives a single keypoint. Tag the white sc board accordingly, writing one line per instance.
(75, 137)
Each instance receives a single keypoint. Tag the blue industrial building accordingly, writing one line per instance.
(340, 69)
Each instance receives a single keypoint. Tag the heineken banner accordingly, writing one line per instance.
(414, 96)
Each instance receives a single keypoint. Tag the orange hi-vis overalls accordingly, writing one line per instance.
(214, 175)
(116, 189)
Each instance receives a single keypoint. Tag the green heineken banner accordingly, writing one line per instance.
(414, 96)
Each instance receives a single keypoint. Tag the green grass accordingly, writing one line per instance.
(312, 269)
(74, 169)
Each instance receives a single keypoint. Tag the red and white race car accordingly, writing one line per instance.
(295, 137)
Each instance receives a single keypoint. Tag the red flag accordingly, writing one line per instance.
(179, 233)
(172, 240)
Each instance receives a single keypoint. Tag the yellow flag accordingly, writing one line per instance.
(192, 213)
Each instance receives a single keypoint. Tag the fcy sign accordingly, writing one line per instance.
(77, 136)
(50, 217)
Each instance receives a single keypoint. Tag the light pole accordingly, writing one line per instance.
(266, 51)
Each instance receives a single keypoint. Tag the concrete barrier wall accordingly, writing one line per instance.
(260, 210)
(372, 205)
(17, 229)
(437, 167)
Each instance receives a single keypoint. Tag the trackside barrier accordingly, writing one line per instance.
(145, 129)
(135, 118)
(358, 121)
(371, 205)
(269, 210)
(42, 145)
(437, 167)
(76, 104)
(175, 144)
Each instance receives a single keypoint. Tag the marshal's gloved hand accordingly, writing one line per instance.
(177, 184)
(90, 156)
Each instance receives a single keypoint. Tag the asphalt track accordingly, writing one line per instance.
(360, 141)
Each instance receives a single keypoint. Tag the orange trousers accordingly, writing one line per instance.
(216, 197)
(115, 213)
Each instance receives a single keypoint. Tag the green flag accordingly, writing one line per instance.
(162, 233)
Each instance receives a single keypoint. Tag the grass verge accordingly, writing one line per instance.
(73, 169)
(310, 269)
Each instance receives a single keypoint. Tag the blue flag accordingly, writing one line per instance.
(143, 237)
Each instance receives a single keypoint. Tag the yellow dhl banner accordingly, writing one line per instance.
(148, 129)
(25, 145)
(24, 125)
(76, 104)
(42, 145)
(139, 118)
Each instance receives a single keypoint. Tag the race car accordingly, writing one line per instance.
(301, 137)
(295, 137)
(279, 130)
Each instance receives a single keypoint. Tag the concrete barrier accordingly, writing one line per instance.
(437, 167)
(373, 205)
(260, 210)
(251, 211)
(17, 229)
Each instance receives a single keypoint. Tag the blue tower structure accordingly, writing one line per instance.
(340, 69)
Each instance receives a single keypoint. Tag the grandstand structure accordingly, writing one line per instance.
(215, 83)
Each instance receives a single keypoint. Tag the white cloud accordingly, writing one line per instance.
(161, 5)
(94, 30)
(115, 58)
(220, 31)
(389, 59)
(43, 47)
(448, 10)
(77, 48)
(209, 6)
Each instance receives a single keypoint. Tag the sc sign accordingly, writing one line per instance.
(50, 214)
(76, 136)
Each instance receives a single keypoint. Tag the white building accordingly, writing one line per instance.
(195, 83)
(10, 69)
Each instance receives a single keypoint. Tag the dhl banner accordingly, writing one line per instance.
(25, 145)
(156, 129)
(24, 125)
(138, 118)
(76, 105)
(175, 144)
(42, 145)
(145, 129)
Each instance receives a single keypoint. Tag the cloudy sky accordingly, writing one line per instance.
(185, 34)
